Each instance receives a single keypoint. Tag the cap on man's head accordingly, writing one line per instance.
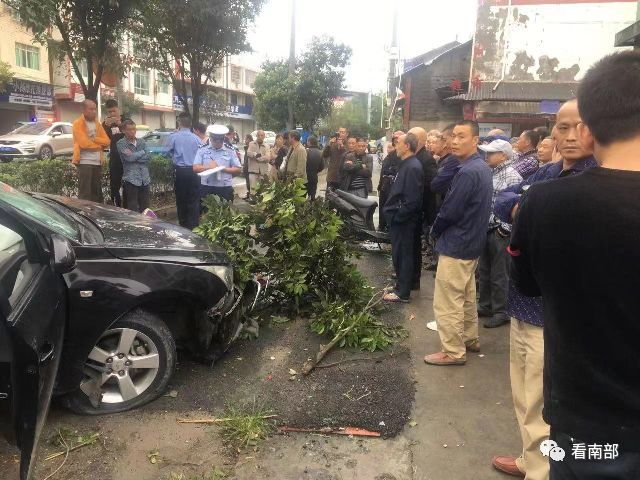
(217, 130)
(498, 146)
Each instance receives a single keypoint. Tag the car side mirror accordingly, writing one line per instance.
(55, 134)
(63, 255)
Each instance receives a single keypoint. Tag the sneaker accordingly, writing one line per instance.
(473, 347)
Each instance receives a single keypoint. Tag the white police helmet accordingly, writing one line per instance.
(217, 130)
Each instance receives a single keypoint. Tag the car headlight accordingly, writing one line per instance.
(223, 272)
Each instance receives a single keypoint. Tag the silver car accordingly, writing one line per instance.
(43, 140)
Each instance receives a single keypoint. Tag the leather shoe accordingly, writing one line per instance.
(494, 322)
(484, 313)
(474, 347)
(507, 465)
(415, 287)
(442, 359)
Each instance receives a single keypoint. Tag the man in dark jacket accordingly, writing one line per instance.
(113, 126)
(404, 211)
(460, 230)
(356, 171)
(333, 155)
(430, 169)
(315, 164)
(388, 174)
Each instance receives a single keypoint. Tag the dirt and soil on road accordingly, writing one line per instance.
(373, 391)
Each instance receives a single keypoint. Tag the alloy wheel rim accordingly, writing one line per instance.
(46, 153)
(121, 366)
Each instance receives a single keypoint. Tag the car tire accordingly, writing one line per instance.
(46, 153)
(153, 336)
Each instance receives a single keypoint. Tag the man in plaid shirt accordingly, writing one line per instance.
(493, 264)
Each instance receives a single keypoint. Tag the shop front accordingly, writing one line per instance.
(25, 101)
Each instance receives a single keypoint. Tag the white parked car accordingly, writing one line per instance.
(269, 137)
(43, 140)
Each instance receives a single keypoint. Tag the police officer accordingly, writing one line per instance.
(217, 154)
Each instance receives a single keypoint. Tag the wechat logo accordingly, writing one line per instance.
(550, 449)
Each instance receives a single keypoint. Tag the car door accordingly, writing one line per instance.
(32, 324)
(66, 140)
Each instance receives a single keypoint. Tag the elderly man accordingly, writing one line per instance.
(258, 157)
(527, 342)
(357, 169)
(296, 165)
(546, 148)
(89, 140)
(217, 154)
(333, 155)
(135, 158)
(526, 163)
(460, 231)
(403, 210)
(493, 264)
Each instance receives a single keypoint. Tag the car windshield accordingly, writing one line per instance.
(32, 129)
(39, 211)
(155, 140)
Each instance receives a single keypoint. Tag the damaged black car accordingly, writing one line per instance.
(94, 302)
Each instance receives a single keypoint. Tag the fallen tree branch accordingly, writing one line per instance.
(310, 365)
(358, 432)
(216, 420)
(89, 441)
(350, 360)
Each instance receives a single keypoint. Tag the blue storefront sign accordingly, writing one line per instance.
(232, 110)
(26, 92)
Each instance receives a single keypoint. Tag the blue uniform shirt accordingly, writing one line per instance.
(224, 157)
(182, 146)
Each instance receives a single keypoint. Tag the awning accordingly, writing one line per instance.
(519, 92)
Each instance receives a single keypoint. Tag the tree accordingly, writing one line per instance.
(90, 30)
(318, 79)
(353, 115)
(187, 41)
(6, 75)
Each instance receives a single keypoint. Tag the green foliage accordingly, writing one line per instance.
(246, 425)
(353, 115)
(318, 78)
(90, 31)
(127, 103)
(301, 246)
(60, 177)
(187, 41)
(6, 75)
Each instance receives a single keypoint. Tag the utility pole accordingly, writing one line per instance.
(393, 61)
(369, 108)
(292, 63)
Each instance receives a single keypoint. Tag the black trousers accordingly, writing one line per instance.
(137, 197)
(405, 253)
(115, 183)
(187, 195)
(493, 269)
(625, 467)
(382, 220)
(90, 182)
(312, 189)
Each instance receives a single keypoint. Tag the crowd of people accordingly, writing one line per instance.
(546, 224)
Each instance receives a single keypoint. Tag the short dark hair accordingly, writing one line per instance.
(542, 131)
(249, 137)
(231, 129)
(200, 127)
(609, 97)
(532, 136)
(360, 139)
(312, 141)
(184, 120)
(411, 140)
(448, 128)
(111, 103)
(475, 128)
(128, 122)
(295, 134)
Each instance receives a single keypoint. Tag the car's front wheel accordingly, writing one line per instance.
(130, 365)
(46, 152)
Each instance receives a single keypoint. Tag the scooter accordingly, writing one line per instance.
(357, 213)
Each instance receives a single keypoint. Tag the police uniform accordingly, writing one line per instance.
(221, 183)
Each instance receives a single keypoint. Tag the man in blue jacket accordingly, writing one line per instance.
(403, 211)
(460, 230)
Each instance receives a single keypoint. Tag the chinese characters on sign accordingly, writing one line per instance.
(26, 92)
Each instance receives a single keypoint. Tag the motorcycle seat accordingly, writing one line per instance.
(356, 200)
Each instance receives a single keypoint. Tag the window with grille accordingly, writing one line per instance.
(235, 75)
(233, 98)
(250, 77)
(140, 81)
(27, 56)
(163, 84)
